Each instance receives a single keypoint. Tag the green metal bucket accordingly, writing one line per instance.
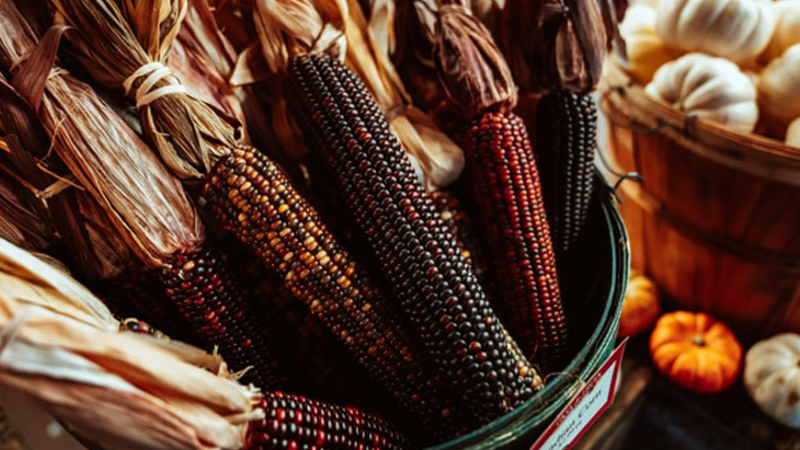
(600, 285)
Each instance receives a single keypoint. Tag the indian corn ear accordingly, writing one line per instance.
(253, 199)
(294, 422)
(506, 188)
(210, 300)
(437, 289)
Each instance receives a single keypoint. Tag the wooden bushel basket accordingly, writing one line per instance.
(716, 218)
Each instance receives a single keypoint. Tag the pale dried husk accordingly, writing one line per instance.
(146, 204)
(440, 159)
(471, 68)
(120, 390)
(113, 41)
(215, 57)
(557, 44)
(289, 28)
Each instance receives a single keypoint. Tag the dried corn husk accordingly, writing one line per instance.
(412, 52)
(125, 45)
(440, 159)
(471, 68)
(145, 203)
(201, 39)
(21, 221)
(120, 390)
(554, 44)
(56, 200)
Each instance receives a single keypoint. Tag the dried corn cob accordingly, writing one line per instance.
(253, 199)
(507, 190)
(295, 422)
(505, 185)
(566, 145)
(438, 290)
(209, 299)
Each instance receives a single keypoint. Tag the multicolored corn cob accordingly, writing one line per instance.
(210, 300)
(457, 221)
(253, 199)
(437, 289)
(295, 422)
(566, 146)
(507, 191)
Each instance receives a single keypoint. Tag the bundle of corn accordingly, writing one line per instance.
(247, 192)
(556, 48)
(145, 204)
(437, 290)
(67, 351)
(505, 184)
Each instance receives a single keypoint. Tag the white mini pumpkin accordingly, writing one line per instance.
(779, 88)
(735, 29)
(709, 87)
(793, 133)
(787, 28)
(772, 377)
(645, 50)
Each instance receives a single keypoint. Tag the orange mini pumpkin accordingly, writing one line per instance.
(640, 308)
(696, 351)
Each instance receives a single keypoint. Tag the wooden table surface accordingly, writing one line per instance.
(651, 413)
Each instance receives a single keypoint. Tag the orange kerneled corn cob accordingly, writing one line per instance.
(566, 146)
(505, 180)
(436, 287)
(253, 199)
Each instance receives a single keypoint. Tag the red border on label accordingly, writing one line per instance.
(613, 362)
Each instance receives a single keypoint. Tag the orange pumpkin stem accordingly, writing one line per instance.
(698, 341)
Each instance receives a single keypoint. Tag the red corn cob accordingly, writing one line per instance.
(505, 183)
(252, 197)
(295, 422)
(506, 189)
(417, 253)
(209, 299)
(566, 146)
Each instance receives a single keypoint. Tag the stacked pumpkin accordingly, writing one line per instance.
(736, 62)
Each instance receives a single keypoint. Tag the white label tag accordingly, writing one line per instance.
(585, 407)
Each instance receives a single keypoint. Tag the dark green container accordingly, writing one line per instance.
(593, 297)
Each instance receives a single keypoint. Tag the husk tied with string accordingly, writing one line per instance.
(120, 390)
(368, 46)
(125, 45)
(557, 44)
(146, 204)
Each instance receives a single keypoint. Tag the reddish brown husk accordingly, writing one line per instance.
(556, 44)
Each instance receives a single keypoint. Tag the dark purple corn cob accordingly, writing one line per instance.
(253, 199)
(295, 422)
(566, 146)
(506, 188)
(419, 256)
(211, 301)
(457, 221)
